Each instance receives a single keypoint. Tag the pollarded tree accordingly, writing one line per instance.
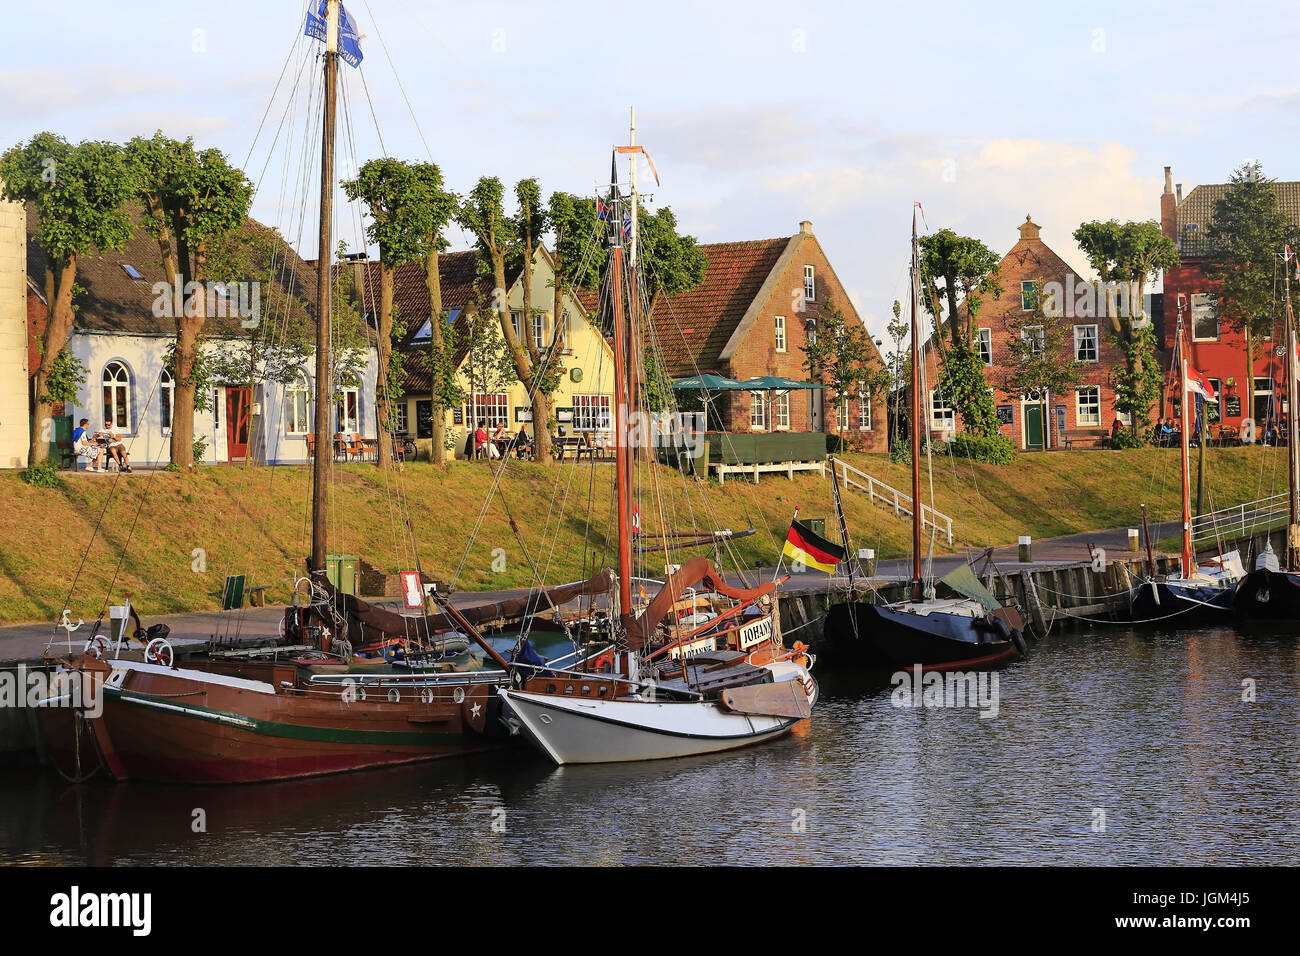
(843, 358)
(960, 270)
(1127, 256)
(194, 200)
(79, 193)
(1246, 234)
(1040, 346)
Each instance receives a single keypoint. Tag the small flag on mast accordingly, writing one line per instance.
(805, 545)
(349, 36)
(1198, 384)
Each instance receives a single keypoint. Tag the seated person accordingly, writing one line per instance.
(501, 438)
(112, 443)
(523, 442)
(85, 446)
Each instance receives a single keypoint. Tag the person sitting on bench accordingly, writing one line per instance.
(85, 447)
(523, 443)
(112, 443)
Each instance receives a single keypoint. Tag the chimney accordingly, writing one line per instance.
(805, 228)
(1169, 207)
(358, 260)
(1178, 190)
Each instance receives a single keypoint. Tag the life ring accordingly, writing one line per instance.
(96, 647)
(159, 651)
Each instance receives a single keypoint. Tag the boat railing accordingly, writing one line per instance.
(1238, 521)
(891, 497)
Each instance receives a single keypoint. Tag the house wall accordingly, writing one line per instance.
(149, 443)
(756, 354)
(14, 409)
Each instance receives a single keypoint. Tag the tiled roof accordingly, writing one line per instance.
(1197, 210)
(458, 280)
(693, 327)
(114, 301)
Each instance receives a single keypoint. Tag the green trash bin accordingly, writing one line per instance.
(816, 526)
(341, 569)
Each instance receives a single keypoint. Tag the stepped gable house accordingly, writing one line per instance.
(1083, 415)
(1247, 387)
(760, 303)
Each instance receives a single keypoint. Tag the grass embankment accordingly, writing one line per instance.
(255, 520)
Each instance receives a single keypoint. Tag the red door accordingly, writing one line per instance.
(237, 421)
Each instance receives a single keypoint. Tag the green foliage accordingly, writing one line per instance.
(201, 375)
(843, 357)
(1137, 383)
(672, 263)
(1125, 439)
(995, 449)
(900, 452)
(1041, 353)
(79, 193)
(67, 375)
(962, 383)
(397, 196)
(42, 476)
(575, 227)
(1245, 237)
(482, 213)
(658, 386)
(171, 466)
(200, 448)
(968, 270)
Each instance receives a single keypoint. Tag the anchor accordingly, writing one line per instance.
(66, 623)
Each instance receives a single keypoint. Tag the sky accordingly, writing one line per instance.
(757, 114)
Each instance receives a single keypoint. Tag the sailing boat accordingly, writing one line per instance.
(968, 627)
(302, 709)
(741, 688)
(1198, 594)
(1269, 592)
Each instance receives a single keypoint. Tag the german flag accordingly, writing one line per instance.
(805, 545)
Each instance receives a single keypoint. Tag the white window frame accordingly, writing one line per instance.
(810, 331)
(1026, 290)
(591, 413)
(492, 407)
(842, 418)
(1217, 385)
(942, 417)
(1093, 393)
(516, 316)
(166, 401)
(984, 345)
(778, 331)
(562, 332)
(295, 393)
(539, 330)
(809, 284)
(1037, 343)
(117, 396)
(352, 397)
(1206, 303)
(757, 411)
(864, 410)
(781, 412)
(1078, 340)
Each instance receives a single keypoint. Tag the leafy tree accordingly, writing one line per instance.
(1041, 348)
(79, 194)
(1245, 236)
(193, 202)
(844, 358)
(961, 269)
(1131, 254)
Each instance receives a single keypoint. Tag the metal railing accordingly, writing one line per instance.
(891, 497)
(1243, 519)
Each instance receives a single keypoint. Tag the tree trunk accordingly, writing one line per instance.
(182, 443)
(384, 437)
(58, 326)
(437, 412)
(520, 355)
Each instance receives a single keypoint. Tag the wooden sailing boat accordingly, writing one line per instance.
(298, 711)
(1197, 594)
(1271, 592)
(967, 627)
(741, 689)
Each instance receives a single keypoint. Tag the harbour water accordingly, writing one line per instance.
(1114, 747)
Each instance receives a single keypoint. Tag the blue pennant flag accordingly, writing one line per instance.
(349, 36)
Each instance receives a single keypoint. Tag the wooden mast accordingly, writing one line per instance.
(917, 412)
(1189, 568)
(621, 451)
(1292, 438)
(323, 459)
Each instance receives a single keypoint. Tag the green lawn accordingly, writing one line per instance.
(190, 531)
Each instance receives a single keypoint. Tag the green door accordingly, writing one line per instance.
(1033, 426)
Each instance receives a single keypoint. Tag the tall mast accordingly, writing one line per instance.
(621, 451)
(324, 457)
(1292, 452)
(917, 408)
(1189, 568)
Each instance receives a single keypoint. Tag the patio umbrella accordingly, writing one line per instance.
(775, 383)
(708, 382)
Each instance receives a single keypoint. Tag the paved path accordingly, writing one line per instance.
(28, 641)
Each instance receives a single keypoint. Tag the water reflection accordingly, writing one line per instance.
(1148, 727)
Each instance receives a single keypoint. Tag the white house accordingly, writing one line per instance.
(123, 333)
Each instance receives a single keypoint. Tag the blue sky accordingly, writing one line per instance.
(757, 114)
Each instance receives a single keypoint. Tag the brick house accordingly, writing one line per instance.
(759, 304)
(1252, 387)
(1085, 413)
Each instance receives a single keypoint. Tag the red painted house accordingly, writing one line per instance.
(1247, 387)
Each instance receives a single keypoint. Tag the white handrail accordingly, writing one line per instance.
(900, 501)
(1239, 520)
